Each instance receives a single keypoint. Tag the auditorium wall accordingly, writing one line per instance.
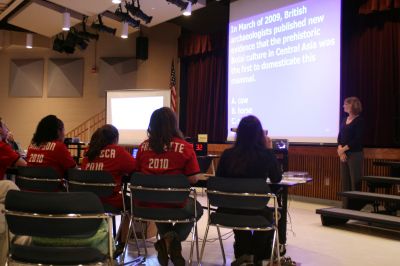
(23, 113)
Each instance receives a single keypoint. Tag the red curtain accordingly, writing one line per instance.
(371, 6)
(203, 85)
(371, 67)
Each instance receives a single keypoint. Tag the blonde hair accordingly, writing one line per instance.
(356, 107)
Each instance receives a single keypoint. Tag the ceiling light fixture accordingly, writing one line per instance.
(188, 10)
(29, 40)
(66, 21)
(124, 16)
(182, 4)
(116, 1)
(101, 27)
(124, 30)
(137, 12)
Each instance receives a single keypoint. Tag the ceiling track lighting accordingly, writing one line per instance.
(101, 27)
(125, 17)
(29, 40)
(66, 21)
(182, 4)
(137, 12)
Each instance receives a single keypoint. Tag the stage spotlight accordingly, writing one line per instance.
(137, 12)
(58, 43)
(179, 3)
(124, 16)
(85, 34)
(101, 27)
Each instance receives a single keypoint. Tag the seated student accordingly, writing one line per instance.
(250, 157)
(8, 157)
(5, 186)
(166, 144)
(8, 137)
(104, 154)
(47, 148)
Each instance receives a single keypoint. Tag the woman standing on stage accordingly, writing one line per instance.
(350, 146)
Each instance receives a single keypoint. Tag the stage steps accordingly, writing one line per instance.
(370, 196)
(335, 216)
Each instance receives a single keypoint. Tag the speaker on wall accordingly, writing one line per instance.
(142, 46)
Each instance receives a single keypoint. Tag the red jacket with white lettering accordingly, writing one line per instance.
(51, 154)
(180, 158)
(118, 162)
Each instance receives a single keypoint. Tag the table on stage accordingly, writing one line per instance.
(281, 190)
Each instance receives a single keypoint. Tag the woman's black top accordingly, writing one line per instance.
(352, 134)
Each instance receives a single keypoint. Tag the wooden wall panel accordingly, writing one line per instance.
(322, 163)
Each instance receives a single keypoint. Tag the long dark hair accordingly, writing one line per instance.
(250, 141)
(162, 128)
(47, 130)
(106, 135)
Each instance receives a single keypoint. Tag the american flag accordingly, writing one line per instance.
(172, 84)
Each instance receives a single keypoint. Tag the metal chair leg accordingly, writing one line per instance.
(197, 244)
(144, 239)
(221, 244)
(191, 247)
(204, 242)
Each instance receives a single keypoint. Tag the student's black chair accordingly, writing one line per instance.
(243, 195)
(44, 179)
(61, 217)
(162, 189)
(100, 183)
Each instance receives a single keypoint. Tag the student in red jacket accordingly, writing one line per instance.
(8, 157)
(47, 147)
(104, 154)
(165, 152)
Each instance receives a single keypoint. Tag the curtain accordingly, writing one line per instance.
(371, 67)
(203, 85)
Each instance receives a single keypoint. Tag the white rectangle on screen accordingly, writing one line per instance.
(123, 108)
(130, 112)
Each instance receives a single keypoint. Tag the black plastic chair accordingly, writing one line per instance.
(225, 194)
(44, 179)
(56, 215)
(162, 189)
(100, 183)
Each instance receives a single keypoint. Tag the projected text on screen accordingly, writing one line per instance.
(284, 67)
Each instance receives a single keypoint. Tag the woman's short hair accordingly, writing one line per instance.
(356, 107)
(47, 130)
(103, 136)
(162, 128)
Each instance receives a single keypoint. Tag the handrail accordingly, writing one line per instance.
(85, 130)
